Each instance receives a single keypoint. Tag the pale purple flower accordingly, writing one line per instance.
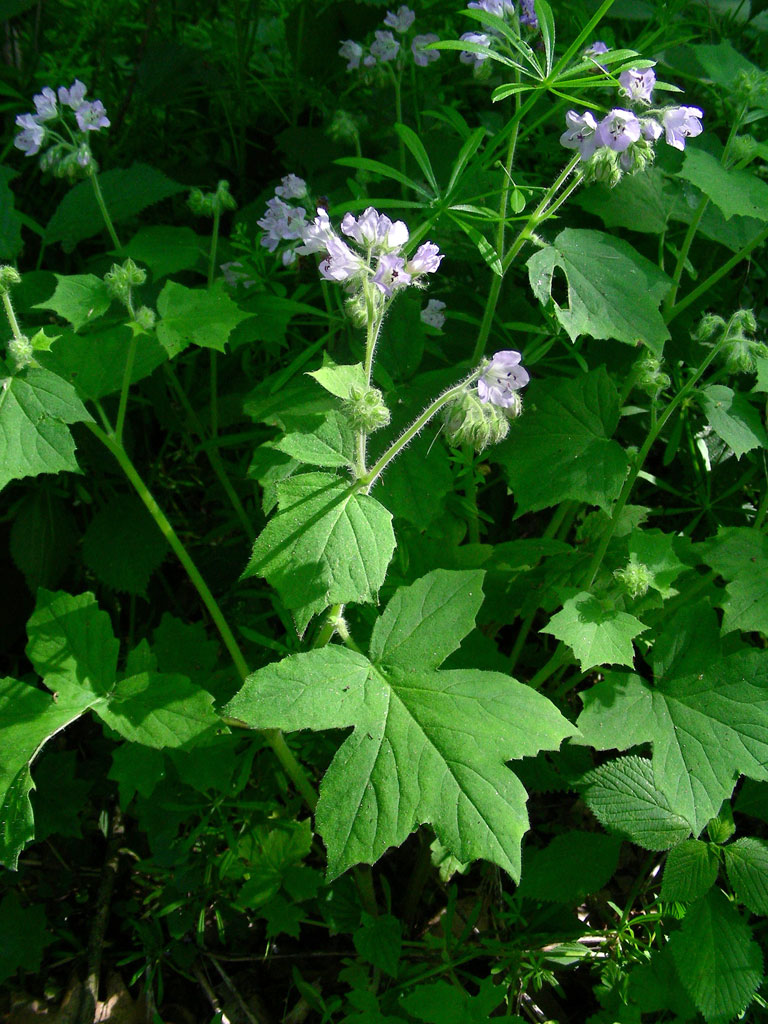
(401, 21)
(433, 315)
(340, 263)
(288, 257)
(422, 56)
(618, 130)
(234, 273)
(391, 274)
(291, 187)
(497, 7)
(375, 230)
(369, 60)
(425, 260)
(46, 106)
(74, 96)
(316, 236)
(282, 222)
(91, 117)
(638, 85)
(385, 47)
(580, 133)
(502, 377)
(467, 56)
(650, 129)
(84, 156)
(352, 52)
(30, 138)
(596, 48)
(528, 14)
(680, 123)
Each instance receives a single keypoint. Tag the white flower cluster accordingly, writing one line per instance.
(386, 47)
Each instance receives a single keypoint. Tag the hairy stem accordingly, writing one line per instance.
(103, 208)
(274, 737)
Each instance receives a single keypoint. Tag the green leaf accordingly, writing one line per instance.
(328, 544)
(442, 1003)
(613, 291)
(570, 867)
(196, 316)
(136, 769)
(123, 545)
(339, 380)
(746, 604)
(424, 623)
(746, 862)
(706, 726)
(733, 418)
(185, 647)
(427, 746)
(415, 483)
(640, 202)
(718, 962)
(127, 191)
(410, 139)
(28, 719)
(735, 192)
(623, 796)
(331, 444)
(160, 710)
(690, 871)
(363, 163)
(43, 537)
(78, 298)
(71, 644)
(378, 941)
(567, 429)
(165, 250)
(25, 933)
(656, 551)
(94, 363)
(597, 635)
(35, 407)
(10, 221)
(59, 795)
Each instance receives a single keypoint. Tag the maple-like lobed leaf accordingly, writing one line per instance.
(427, 746)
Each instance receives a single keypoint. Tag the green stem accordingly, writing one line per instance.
(713, 278)
(762, 509)
(682, 256)
(555, 662)
(410, 432)
(104, 211)
(217, 465)
(127, 374)
(8, 305)
(329, 627)
(214, 365)
(629, 483)
(273, 737)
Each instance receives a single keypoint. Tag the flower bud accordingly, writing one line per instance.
(649, 376)
(635, 578)
(9, 276)
(121, 279)
(603, 167)
(468, 420)
(366, 410)
(708, 325)
(145, 318)
(20, 352)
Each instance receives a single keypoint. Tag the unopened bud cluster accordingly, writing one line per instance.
(634, 578)
(741, 349)
(649, 376)
(120, 280)
(366, 410)
(208, 204)
(9, 277)
(480, 416)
